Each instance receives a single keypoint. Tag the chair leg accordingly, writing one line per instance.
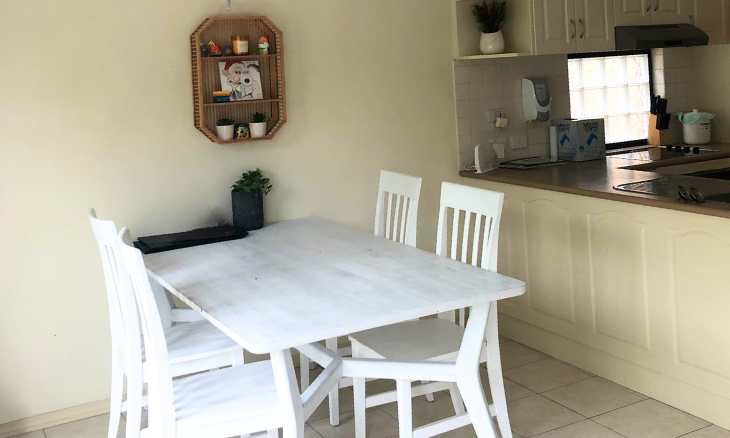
(358, 389)
(429, 395)
(334, 398)
(494, 371)
(304, 371)
(456, 400)
(237, 358)
(115, 409)
(405, 414)
(134, 405)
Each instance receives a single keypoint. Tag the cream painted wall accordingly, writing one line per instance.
(713, 87)
(95, 110)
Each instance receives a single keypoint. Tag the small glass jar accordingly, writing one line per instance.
(239, 44)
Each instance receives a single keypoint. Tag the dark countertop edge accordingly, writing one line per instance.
(717, 210)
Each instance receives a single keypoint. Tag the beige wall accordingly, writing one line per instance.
(95, 110)
(713, 87)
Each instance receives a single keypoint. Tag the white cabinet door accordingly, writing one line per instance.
(595, 25)
(712, 17)
(556, 29)
(633, 12)
(670, 11)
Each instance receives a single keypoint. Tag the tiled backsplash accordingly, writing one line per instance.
(489, 84)
(483, 85)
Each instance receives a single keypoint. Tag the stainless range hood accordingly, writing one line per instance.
(659, 35)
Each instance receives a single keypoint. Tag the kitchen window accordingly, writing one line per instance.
(616, 87)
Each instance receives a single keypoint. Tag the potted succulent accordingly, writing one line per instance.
(224, 129)
(258, 125)
(247, 200)
(490, 17)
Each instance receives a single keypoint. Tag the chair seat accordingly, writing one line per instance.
(228, 395)
(425, 339)
(196, 340)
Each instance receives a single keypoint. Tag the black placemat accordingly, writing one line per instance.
(200, 236)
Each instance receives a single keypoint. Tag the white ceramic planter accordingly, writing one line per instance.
(225, 132)
(492, 43)
(258, 130)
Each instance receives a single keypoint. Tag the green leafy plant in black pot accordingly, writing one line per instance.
(247, 200)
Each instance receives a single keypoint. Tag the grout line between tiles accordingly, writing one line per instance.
(528, 363)
(614, 431)
(630, 404)
(702, 428)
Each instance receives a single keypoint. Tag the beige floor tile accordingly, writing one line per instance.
(593, 396)
(536, 414)
(514, 354)
(346, 405)
(545, 375)
(425, 412)
(378, 424)
(512, 390)
(650, 419)
(94, 427)
(582, 429)
(709, 432)
(36, 434)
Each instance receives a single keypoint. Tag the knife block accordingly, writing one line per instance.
(657, 137)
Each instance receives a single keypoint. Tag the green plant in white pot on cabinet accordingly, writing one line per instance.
(224, 129)
(258, 125)
(490, 17)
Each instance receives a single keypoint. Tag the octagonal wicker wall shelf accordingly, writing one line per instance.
(207, 78)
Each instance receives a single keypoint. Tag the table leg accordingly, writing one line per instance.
(288, 391)
(334, 399)
(467, 372)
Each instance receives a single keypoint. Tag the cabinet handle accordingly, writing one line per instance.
(648, 8)
(582, 27)
(691, 19)
(656, 8)
(574, 28)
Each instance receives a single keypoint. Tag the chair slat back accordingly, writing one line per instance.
(396, 213)
(122, 308)
(476, 244)
(159, 379)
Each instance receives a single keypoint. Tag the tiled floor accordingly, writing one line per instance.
(546, 398)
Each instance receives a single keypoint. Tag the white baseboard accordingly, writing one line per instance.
(696, 401)
(54, 418)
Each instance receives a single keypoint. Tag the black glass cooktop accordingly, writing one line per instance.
(657, 153)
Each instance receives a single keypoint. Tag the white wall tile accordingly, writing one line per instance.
(461, 75)
(462, 92)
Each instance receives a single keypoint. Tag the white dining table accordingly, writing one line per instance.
(296, 282)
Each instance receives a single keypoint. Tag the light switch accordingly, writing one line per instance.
(518, 142)
(498, 146)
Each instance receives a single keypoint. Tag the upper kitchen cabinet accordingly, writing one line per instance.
(570, 26)
(641, 12)
(517, 30)
(633, 12)
(712, 17)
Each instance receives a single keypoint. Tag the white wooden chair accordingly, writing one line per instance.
(193, 347)
(439, 339)
(216, 404)
(396, 218)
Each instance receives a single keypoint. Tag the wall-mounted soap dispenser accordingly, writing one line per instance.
(536, 99)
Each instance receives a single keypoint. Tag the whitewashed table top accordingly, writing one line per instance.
(304, 280)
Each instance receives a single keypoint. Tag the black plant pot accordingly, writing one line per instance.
(248, 210)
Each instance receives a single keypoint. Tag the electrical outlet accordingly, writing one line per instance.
(518, 142)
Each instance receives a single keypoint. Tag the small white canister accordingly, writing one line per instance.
(696, 127)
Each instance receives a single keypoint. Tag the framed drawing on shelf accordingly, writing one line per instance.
(242, 80)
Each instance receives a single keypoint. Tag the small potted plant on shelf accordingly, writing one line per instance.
(490, 17)
(258, 125)
(247, 200)
(224, 129)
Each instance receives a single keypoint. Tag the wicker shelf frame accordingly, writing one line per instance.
(206, 76)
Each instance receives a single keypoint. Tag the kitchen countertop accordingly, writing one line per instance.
(597, 179)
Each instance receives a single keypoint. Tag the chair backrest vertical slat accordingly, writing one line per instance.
(465, 238)
(159, 386)
(455, 232)
(475, 246)
(397, 222)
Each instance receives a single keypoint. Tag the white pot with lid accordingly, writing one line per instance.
(696, 127)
